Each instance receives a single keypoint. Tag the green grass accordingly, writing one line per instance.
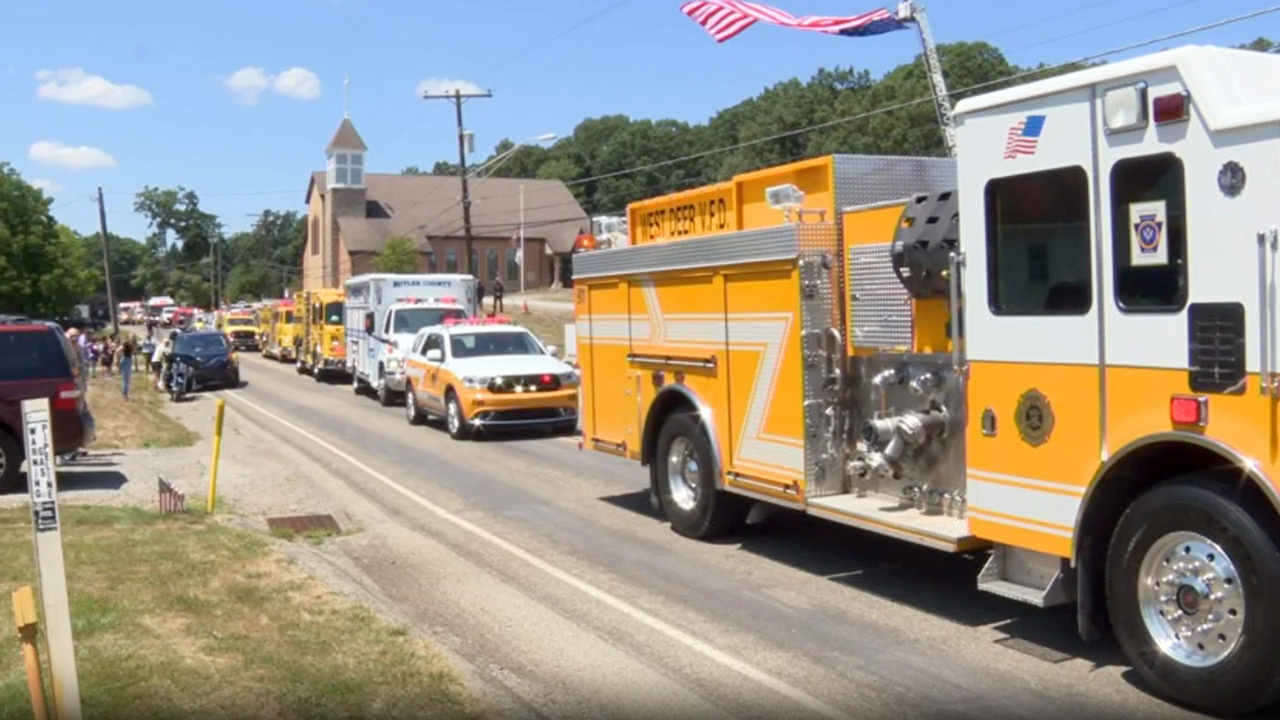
(181, 616)
(139, 423)
(548, 325)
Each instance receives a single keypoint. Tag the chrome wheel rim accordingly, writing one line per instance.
(4, 463)
(683, 473)
(1192, 599)
(455, 420)
(408, 403)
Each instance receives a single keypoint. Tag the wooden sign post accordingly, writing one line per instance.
(52, 571)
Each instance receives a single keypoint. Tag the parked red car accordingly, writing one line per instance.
(37, 360)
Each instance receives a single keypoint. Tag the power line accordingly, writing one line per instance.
(1087, 30)
(910, 103)
(557, 36)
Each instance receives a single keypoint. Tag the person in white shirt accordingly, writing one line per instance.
(157, 359)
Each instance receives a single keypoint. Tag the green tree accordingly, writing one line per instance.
(413, 170)
(127, 255)
(180, 261)
(398, 255)
(265, 258)
(42, 264)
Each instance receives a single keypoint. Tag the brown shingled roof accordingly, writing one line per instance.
(428, 206)
(346, 138)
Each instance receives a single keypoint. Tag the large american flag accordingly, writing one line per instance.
(724, 19)
(1023, 137)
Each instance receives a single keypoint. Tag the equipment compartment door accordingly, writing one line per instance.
(610, 400)
(1031, 326)
(766, 388)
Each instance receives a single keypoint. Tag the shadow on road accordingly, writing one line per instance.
(77, 479)
(930, 581)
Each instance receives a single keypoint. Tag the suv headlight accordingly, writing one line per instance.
(568, 378)
(394, 364)
(477, 382)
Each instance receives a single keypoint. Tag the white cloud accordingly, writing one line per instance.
(48, 186)
(72, 158)
(298, 83)
(248, 84)
(74, 86)
(437, 86)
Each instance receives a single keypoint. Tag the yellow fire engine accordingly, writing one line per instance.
(1060, 349)
(282, 331)
(321, 347)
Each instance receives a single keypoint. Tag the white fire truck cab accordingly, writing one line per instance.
(1066, 357)
(384, 312)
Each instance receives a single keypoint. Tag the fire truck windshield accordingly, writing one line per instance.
(333, 313)
(411, 320)
(242, 321)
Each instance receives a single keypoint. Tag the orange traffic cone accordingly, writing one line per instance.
(525, 308)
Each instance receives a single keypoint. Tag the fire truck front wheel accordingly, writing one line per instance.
(685, 467)
(1190, 573)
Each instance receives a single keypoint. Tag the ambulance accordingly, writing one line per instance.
(385, 311)
(1060, 353)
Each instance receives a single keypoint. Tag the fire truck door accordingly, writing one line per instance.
(1031, 330)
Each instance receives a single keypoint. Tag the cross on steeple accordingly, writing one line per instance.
(346, 95)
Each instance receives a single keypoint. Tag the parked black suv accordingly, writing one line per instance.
(37, 360)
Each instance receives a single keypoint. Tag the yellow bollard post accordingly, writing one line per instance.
(24, 618)
(217, 447)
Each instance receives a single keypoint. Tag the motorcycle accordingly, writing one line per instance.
(179, 382)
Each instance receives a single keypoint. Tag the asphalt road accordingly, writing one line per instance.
(544, 567)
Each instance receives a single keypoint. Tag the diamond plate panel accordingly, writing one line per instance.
(820, 311)
(867, 179)
(781, 242)
(881, 305)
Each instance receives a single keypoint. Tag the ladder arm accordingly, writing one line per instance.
(909, 11)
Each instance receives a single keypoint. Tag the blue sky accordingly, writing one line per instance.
(236, 99)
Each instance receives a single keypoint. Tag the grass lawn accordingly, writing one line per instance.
(185, 617)
(139, 423)
(548, 325)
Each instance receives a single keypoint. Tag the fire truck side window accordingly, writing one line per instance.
(1038, 243)
(1149, 233)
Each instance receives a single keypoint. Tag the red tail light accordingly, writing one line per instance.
(66, 397)
(1189, 410)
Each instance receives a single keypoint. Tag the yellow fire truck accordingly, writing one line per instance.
(321, 348)
(1060, 350)
(282, 331)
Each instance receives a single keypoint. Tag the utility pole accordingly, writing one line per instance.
(106, 264)
(458, 97)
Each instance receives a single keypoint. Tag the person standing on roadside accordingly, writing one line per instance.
(480, 296)
(126, 365)
(499, 289)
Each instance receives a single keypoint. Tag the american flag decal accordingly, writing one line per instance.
(1023, 137)
(724, 19)
(171, 498)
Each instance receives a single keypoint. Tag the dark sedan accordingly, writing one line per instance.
(211, 359)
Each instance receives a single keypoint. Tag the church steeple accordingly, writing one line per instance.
(345, 153)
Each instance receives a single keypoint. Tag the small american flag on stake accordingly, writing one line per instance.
(1024, 137)
(724, 19)
(171, 498)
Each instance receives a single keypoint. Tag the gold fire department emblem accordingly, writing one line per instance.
(1034, 418)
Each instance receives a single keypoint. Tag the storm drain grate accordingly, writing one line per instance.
(301, 524)
(1039, 652)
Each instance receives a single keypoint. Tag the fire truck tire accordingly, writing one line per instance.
(685, 466)
(357, 387)
(1185, 550)
(455, 420)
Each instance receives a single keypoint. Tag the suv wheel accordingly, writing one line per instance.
(10, 462)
